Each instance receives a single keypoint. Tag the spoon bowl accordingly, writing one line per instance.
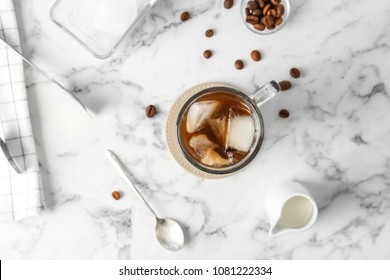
(169, 234)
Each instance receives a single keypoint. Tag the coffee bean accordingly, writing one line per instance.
(280, 10)
(252, 19)
(264, 14)
(259, 26)
(266, 8)
(285, 85)
(268, 21)
(209, 33)
(239, 64)
(284, 113)
(278, 21)
(261, 3)
(116, 195)
(295, 73)
(185, 16)
(256, 56)
(207, 54)
(256, 12)
(228, 4)
(150, 111)
(272, 12)
(253, 5)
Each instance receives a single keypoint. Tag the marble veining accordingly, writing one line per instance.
(336, 141)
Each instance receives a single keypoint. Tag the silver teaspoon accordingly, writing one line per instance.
(168, 232)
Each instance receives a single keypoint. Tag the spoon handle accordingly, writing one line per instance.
(129, 178)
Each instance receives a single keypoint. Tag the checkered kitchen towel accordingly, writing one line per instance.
(21, 195)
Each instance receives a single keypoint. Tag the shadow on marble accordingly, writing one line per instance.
(322, 192)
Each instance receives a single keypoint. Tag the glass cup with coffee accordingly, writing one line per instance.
(220, 129)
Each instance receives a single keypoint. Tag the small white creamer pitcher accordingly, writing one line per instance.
(290, 207)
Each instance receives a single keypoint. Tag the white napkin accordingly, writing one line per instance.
(21, 195)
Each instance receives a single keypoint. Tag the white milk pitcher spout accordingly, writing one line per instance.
(290, 207)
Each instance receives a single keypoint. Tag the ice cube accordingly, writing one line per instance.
(201, 143)
(212, 158)
(115, 16)
(199, 113)
(241, 131)
(111, 17)
(219, 127)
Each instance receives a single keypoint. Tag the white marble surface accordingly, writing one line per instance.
(336, 141)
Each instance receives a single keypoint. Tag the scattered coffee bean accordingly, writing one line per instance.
(150, 111)
(284, 85)
(284, 113)
(256, 55)
(209, 33)
(239, 64)
(228, 4)
(185, 16)
(295, 73)
(264, 14)
(207, 54)
(116, 195)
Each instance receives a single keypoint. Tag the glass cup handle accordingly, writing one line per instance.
(265, 93)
